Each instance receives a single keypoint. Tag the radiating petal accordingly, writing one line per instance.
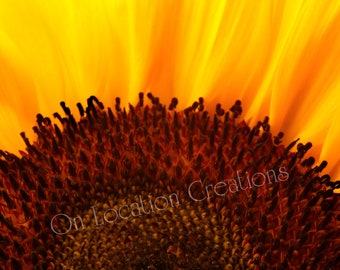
(279, 57)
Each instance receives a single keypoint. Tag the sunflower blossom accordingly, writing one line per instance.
(192, 182)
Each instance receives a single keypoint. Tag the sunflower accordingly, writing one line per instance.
(178, 176)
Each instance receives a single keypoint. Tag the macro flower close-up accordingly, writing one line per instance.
(169, 134)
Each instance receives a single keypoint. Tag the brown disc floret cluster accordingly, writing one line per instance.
(150, 187)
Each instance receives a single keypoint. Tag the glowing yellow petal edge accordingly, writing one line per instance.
(279, 58)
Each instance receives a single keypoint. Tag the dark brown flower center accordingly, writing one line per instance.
(154, 188)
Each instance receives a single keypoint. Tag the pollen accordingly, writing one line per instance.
(151, 187)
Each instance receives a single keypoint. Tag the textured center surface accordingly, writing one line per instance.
(153, 188)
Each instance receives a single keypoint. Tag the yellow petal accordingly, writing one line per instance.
(279, 57)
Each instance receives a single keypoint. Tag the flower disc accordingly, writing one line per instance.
(155, 188)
